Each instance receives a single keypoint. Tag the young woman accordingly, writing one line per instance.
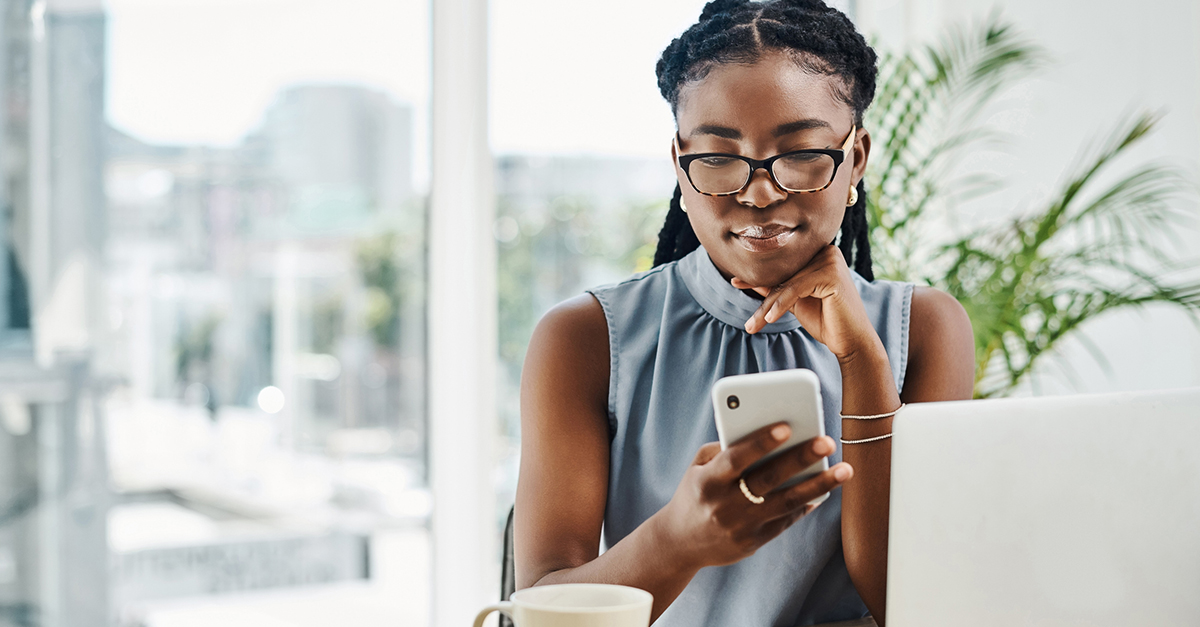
(618, 437)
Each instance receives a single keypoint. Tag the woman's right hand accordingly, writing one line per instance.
(712, 523)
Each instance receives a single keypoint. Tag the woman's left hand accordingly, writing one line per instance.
(823, 298)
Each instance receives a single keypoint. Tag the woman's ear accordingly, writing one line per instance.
(861, 151)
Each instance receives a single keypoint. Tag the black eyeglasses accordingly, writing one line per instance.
(799, 171)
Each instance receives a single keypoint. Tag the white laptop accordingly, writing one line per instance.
(1069, 510)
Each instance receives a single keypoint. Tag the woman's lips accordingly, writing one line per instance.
(762, 239)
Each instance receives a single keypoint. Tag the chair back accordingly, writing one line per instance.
(508, 571)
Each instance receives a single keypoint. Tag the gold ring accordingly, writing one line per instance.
(750, 496)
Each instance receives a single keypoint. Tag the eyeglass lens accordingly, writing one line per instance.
(802, 172)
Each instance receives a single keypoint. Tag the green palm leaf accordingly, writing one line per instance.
(1100, 242)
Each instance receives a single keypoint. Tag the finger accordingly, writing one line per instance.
(811, 281)
(808, 284)
(781, 299)
(742, 285)
(798, 496)
(779, 306)
(742, 454)
(759, 319)
(785, 298)
(774, 527)
(707, 453)
(753, 324)
(782, 468)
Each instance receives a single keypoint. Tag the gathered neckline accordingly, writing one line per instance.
(721, 299)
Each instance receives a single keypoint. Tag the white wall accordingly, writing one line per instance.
(1109, 58)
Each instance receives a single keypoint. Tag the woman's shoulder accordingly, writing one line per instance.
(937, 308)
(568, 357)
(579, 317)
(941, 348)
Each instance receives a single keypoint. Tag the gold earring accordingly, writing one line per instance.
(853, 200)
(681, 205)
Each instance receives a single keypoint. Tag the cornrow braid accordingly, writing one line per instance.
(821, 39)
(854, 236)
(676, 239)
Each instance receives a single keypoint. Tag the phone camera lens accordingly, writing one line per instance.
(733, 402)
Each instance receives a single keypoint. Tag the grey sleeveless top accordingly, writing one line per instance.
(673, 331)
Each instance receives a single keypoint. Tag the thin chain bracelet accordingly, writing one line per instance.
(876, 416)
(865, 440)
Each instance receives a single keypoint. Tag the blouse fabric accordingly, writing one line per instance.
(673, 331)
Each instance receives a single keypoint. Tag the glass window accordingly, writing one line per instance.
(213, 316)
(582, 178)
(217, 209)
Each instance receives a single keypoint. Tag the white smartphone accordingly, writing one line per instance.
(745, 403)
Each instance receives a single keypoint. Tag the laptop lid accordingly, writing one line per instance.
(1068, 510)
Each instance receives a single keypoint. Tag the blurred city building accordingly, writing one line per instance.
(54, 499)
(223, 387)
(212, 367)
(292, 260)
(267, 314)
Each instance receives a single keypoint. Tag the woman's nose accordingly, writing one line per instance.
(762, 191)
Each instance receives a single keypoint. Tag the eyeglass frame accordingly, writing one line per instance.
(837, 154)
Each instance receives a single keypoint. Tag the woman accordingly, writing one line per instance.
(617, 430)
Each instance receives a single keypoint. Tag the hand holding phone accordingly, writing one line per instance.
(710, 520)
(745, 403)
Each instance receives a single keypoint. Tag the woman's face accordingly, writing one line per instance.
(759, 111)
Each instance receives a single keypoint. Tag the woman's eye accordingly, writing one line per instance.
(717, 162)
(803, 157)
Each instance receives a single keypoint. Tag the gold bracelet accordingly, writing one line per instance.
(874, 417)
(865, 440)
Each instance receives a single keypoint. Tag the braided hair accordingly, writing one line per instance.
(820, 39)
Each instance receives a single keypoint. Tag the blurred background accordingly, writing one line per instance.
(213, 284)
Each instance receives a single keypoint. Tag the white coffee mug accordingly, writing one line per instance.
(575, 605)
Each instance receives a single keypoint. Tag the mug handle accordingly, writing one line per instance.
(504, 607)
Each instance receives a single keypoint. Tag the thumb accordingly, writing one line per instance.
(707, 453)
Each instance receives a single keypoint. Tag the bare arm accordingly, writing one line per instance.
(941, 367)
(563, 483)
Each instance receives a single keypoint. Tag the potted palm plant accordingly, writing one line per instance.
(1093, 246)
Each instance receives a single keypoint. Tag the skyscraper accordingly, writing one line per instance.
(342, 151)
(53, 506)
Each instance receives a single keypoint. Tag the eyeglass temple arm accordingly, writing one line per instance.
(845, 146)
